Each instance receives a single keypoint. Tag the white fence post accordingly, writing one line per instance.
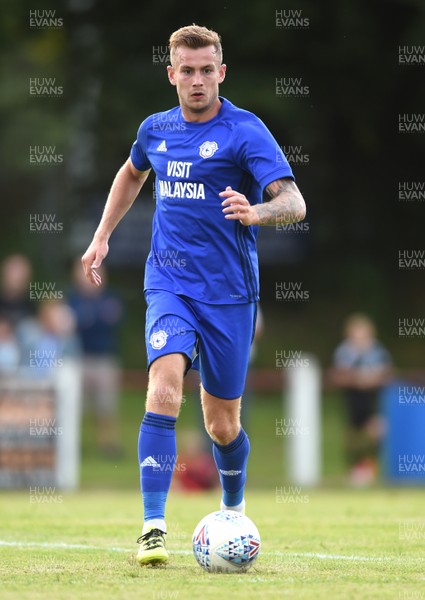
(68, 384)
(303, 421)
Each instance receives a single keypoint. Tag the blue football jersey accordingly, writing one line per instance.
(195, 251)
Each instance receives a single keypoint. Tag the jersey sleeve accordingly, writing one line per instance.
(259, 153)
(138, 150)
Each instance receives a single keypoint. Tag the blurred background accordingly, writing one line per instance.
(341, 87)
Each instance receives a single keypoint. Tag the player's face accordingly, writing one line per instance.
(197, 75)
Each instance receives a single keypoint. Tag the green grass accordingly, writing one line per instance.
(380, 533)
(327, 543)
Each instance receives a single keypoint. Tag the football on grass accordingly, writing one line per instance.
(226, 541)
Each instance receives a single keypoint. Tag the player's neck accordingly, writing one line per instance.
(201, 117)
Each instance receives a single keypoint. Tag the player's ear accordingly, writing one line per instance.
(222, 73)
(170, 71)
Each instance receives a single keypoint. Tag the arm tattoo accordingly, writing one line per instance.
(286, 206)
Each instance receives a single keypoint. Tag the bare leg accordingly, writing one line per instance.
(221, 417)
(165, 388)
(230, 447)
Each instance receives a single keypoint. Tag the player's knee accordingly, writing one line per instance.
(165, 389)
(222, 431)
(164, 398)
(165, 393)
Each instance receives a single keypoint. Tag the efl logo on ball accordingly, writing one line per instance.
(226, 541)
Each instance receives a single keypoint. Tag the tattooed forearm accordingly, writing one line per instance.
(287, 204)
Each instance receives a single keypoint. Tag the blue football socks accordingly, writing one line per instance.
(231, 461)
(157, 459)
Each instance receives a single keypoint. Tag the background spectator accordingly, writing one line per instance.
(9, 349)
(57, 339)
(361, 367)
(49, 339)
(98, 313)
(15, 304)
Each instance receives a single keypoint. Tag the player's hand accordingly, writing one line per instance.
(237, 208)
(93, 258)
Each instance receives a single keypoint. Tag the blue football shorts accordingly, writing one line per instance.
(215, 338)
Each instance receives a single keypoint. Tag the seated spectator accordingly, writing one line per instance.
(50, 340)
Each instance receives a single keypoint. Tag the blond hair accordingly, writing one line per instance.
(359, 319)
(194, 36)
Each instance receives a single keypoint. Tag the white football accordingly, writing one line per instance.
(226, 541)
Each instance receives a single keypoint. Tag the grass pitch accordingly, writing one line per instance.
(318, 544)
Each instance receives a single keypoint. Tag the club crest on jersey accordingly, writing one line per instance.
(158, 339)
(208, 149)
